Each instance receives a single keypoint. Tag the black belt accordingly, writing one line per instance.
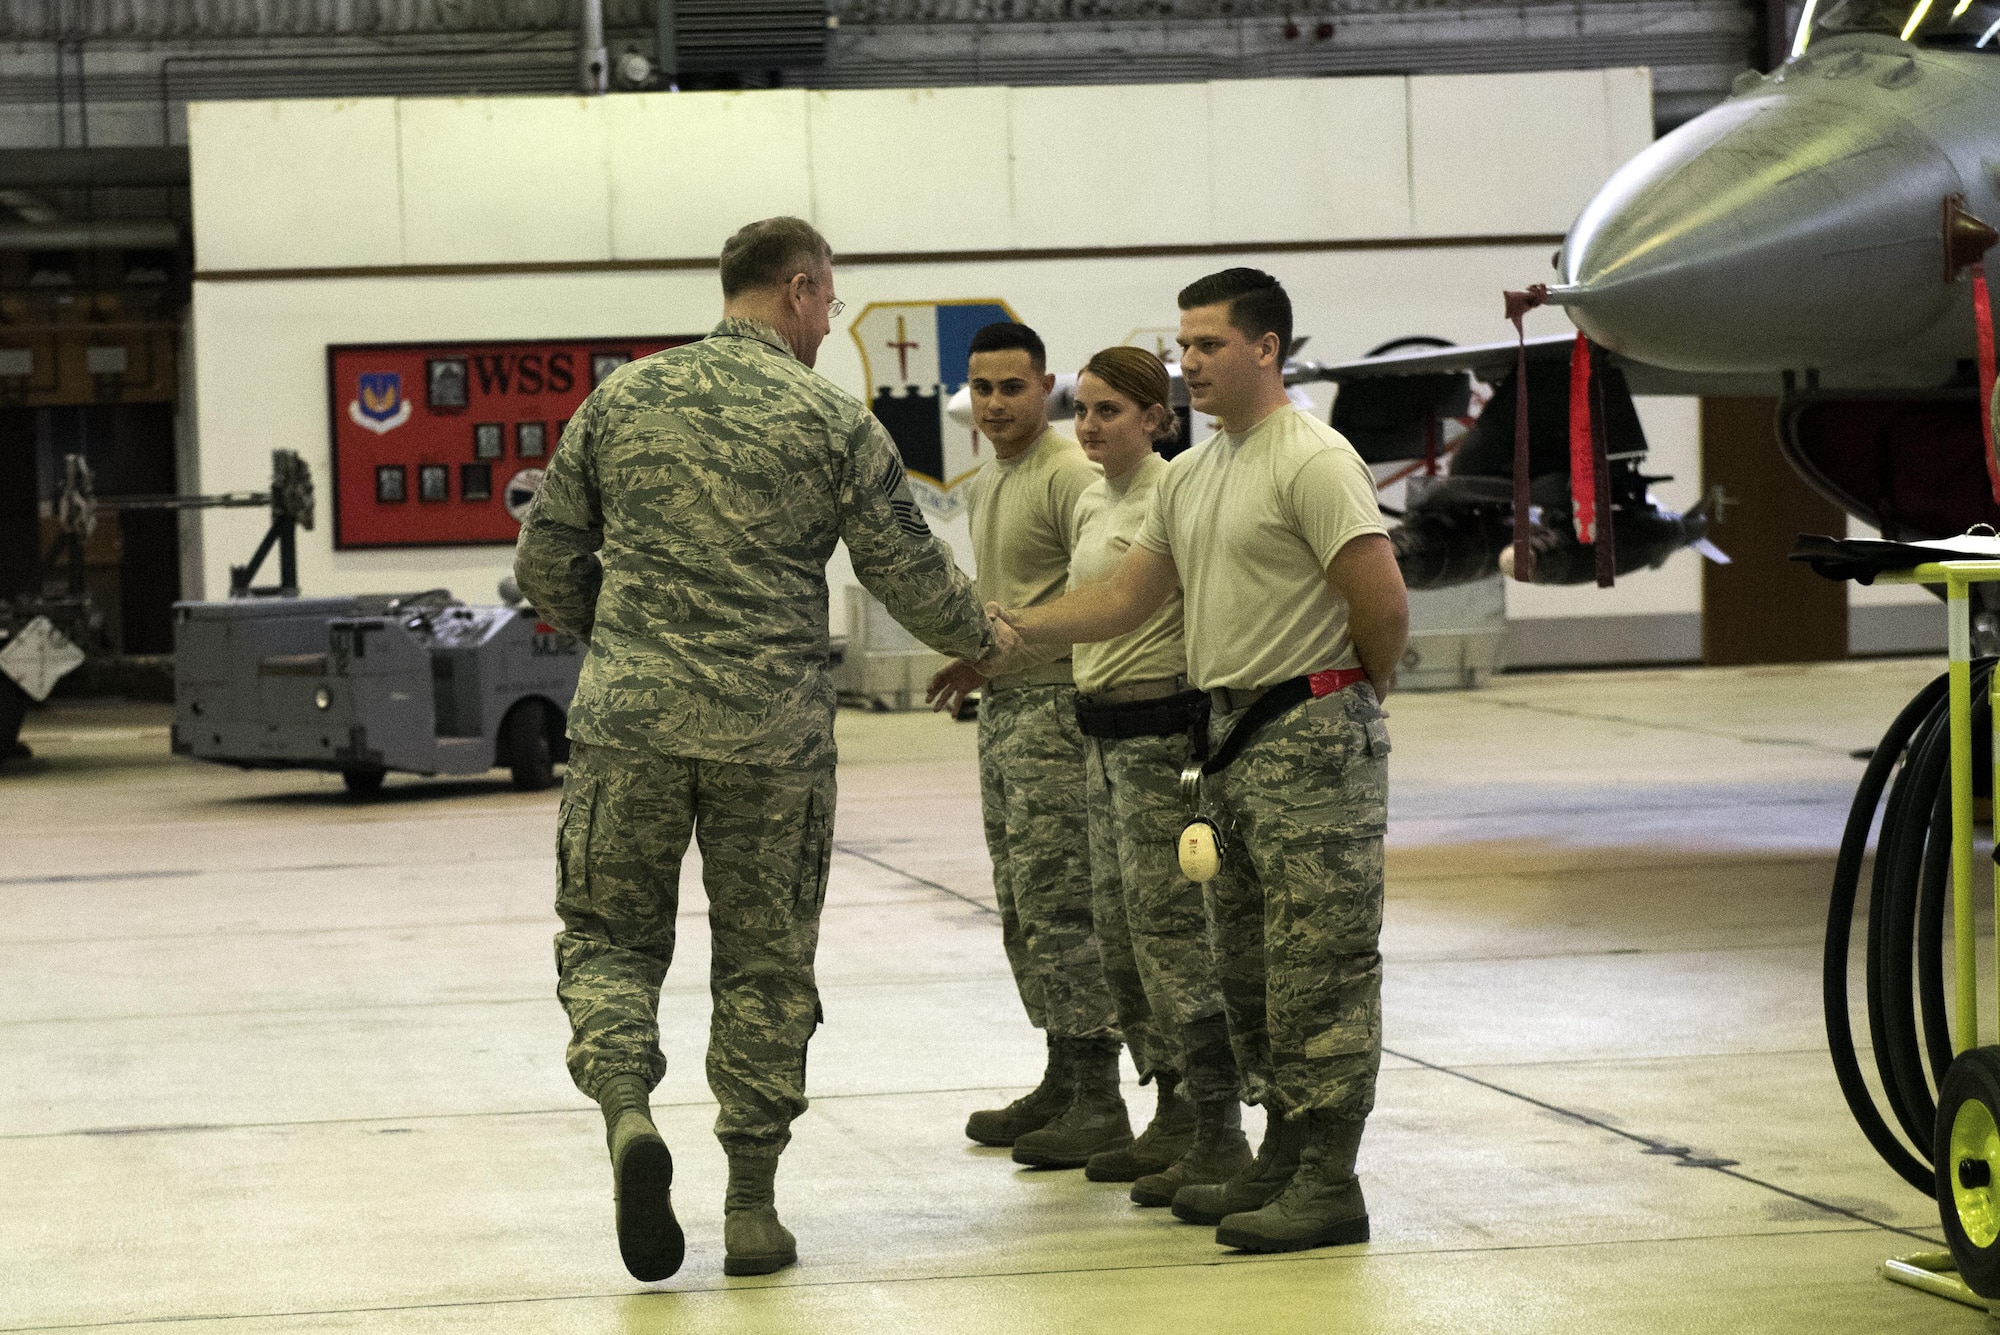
(1171, 716)
(1286, 695)
(1275, 701)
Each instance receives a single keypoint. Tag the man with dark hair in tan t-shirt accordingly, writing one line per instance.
(1295, 619)
(1031, 766)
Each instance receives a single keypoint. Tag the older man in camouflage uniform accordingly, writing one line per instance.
(683, 530)
(1271, 530)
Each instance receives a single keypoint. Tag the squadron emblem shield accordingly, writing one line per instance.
(914, 354)
(378, 404)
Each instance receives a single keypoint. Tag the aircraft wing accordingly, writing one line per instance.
(1493, 362)
(1487, 361)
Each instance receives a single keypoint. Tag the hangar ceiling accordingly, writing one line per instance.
(118, 74)
(75, 72)
(1694, 47)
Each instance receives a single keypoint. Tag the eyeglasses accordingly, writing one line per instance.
(834, 307)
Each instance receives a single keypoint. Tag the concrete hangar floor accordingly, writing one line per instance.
(275, 1062)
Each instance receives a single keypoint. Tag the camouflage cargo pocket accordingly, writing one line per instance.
(1325, 903)
(573, 827)
(1321, 775)
(815, 856)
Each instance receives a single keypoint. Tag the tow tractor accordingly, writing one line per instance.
(364, 684)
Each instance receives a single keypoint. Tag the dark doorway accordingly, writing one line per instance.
(20, 492)
(133, 559)
(1763, 608)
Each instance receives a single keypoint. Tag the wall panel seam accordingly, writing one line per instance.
(402, 189)
(883, 258)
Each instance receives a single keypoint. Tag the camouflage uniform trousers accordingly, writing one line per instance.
(766, 836)
(1031, 794)
(1151, 924)
(1297, 908)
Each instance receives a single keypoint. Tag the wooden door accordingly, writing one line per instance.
(1763, 608)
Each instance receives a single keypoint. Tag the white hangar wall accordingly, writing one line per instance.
(642, 177)
(1390, 206)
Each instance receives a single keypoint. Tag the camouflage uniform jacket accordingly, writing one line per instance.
(683, 529)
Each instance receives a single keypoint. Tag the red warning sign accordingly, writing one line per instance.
(445, 443)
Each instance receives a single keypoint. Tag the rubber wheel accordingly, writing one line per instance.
(363, 783)
(1967, 1158)
(531, 755)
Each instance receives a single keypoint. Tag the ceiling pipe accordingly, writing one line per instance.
(32, 207)
(124, 234)
(593, 62)
(82, 168)
(667, 44)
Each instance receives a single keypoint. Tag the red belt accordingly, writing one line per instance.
(1335, 679)
(1227, 700)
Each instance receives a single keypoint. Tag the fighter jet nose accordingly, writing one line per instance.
(1769, 221)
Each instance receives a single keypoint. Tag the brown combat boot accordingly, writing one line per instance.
(1321, 1206)
(1166, 1138)
(1094, 1121)
(753, 1241)
(1219, 1151)
(642, 1176)
(1033, 1110)
(1277, 1159)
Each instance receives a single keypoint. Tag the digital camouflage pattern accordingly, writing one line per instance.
(1031, 791)
(1151, 1038)
(683, 529)
(766, 836)
(1297, 906)
(1151, 923)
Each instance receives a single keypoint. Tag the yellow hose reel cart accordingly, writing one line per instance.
(1964, 1140)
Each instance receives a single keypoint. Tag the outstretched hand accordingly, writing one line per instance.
(951, 685)
(1007, 641)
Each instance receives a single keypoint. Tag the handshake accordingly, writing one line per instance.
(956, 680)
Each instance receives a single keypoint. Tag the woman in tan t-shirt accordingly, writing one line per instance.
(1136, 712)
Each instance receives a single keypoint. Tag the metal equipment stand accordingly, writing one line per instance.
(1968, 1201)
(290, 501)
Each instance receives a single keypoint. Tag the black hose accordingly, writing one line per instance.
(1930, 963)
(1909, 1026)
(1907, 826)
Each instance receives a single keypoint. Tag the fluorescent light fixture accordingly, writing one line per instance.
(1917, 16)
(1987, 36)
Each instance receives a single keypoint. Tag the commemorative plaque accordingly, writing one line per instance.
(438, 444)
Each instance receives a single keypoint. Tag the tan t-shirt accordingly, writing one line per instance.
(1023, 518)
(1108, 516)
(1252, 521)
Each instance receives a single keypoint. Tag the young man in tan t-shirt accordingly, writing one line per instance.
(1031, 765)
(1271, 531)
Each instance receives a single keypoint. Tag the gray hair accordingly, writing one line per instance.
(769, 252)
